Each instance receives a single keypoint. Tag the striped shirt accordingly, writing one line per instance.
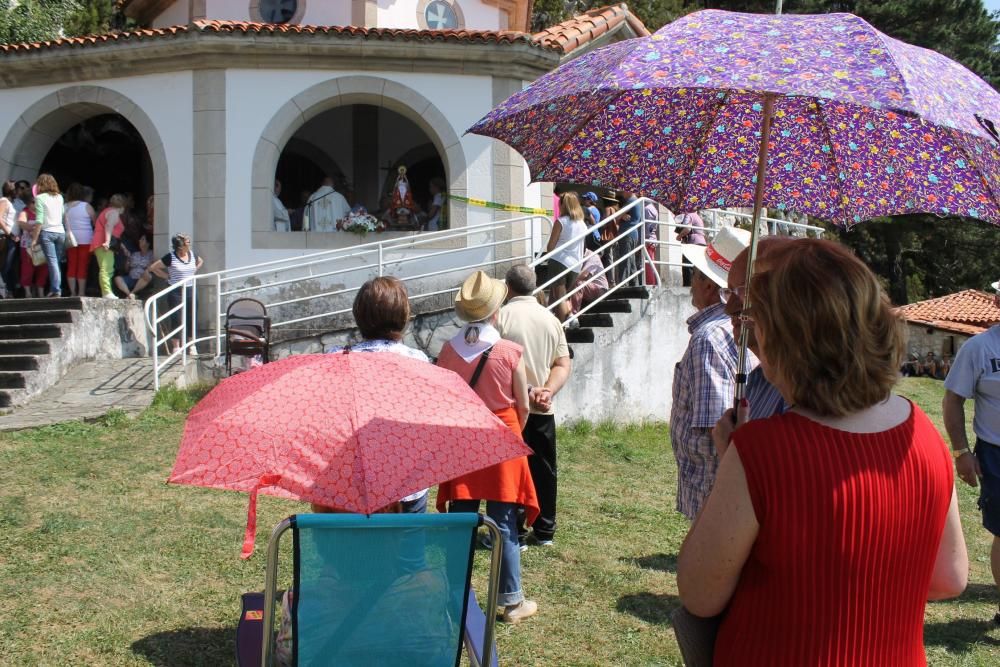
(177, 268)
(704, 386)
(764, 398)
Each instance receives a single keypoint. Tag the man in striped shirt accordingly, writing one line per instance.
(704, 379)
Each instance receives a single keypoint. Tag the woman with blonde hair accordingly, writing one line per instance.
(50, 232)
(829, 526)
(571, 224)
(106, 240)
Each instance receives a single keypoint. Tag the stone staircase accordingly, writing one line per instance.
(599, 317)
(40, 339)
(29, 328)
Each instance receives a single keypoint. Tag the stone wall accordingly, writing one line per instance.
(922, 339)
(625, 376)
(103, 329)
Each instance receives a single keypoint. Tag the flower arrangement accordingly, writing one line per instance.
(360, 222)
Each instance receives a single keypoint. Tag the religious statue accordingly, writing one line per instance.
(402, 206)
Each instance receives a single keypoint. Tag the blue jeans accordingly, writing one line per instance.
(418, 506)
(505, 516)
(52, 244)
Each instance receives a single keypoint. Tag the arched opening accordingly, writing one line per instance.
(361, 147)
(106, 153)
(360, 93)
(122, 149)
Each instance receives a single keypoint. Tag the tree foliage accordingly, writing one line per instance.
(654, 13)
(41, 20)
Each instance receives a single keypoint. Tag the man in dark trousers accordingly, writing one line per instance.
(547, 362)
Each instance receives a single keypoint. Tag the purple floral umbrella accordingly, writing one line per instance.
(819, 114)
(862, 125)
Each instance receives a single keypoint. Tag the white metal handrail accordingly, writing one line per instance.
(378, 258)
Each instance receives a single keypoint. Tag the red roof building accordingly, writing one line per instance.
(967, 312)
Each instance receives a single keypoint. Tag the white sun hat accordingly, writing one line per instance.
(716, 258)
(995, 286)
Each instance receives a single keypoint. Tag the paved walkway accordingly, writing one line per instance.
(89, 390)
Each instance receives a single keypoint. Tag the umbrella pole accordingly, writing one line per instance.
(758, 201)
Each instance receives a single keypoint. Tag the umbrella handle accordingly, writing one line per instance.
(250, 534)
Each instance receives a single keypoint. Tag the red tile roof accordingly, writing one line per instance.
(565, 37)
(969, 311)
(579, 30)
(251, 28)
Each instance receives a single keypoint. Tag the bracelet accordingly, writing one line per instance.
(959, 453)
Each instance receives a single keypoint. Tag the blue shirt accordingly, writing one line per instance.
(631, 218)
(765, 400)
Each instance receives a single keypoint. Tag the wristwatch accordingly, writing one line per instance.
(957, 453)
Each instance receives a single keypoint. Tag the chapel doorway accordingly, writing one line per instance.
(106, 153)
(361, 146)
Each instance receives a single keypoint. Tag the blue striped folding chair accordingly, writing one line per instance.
(376, 590)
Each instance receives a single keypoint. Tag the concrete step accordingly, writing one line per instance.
(19, 347)
(596, 320)
(22, 331)
(21, 305)
(606, 306)
(630, 293)
(12, 380)
(37, 317)
(579, 335)
(8, 396)
(18, 362)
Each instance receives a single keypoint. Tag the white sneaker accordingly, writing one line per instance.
(518, 612)
(110, 296)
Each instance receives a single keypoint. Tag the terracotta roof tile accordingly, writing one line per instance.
(252, 28)
(579, 30)
(565, 37)
(969, 311)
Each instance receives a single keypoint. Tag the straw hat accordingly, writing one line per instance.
(715, 259)
(479, 297)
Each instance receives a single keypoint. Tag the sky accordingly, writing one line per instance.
(992, 5)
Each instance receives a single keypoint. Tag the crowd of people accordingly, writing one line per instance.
(51, 236)
(822, 495)
(513, 353)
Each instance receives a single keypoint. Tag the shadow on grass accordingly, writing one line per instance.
(961, 635)
(660, 562)
(650, 607)
(189, 646)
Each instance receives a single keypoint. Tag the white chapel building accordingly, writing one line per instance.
(213, 100)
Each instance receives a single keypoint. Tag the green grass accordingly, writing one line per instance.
(105, 564)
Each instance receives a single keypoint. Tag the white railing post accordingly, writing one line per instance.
(184, 313)
(380, 263)
(156, 347)
(642, 242)
(194, 310)
(218, 315)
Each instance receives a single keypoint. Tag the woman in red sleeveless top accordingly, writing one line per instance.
(495, 370)
(828, 526)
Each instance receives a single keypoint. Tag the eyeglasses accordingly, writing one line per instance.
(725, 293)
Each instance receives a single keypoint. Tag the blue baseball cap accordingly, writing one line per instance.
(589, 196)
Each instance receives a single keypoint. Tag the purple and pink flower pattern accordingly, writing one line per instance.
(864, 125)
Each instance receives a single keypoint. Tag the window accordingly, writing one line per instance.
(276, 11)
(439, 15)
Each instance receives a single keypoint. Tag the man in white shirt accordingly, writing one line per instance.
(282, 223)
(326, 207)
(976, 375)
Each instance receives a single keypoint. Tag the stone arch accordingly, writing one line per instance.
(38, 128)
(346, 91)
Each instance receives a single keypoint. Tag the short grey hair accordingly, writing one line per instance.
(521, 280)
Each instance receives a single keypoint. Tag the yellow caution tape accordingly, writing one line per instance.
(482, 203)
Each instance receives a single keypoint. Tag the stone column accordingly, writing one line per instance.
(209, 238)
(365, 121)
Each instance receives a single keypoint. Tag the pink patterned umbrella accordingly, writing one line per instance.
(355, 431)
